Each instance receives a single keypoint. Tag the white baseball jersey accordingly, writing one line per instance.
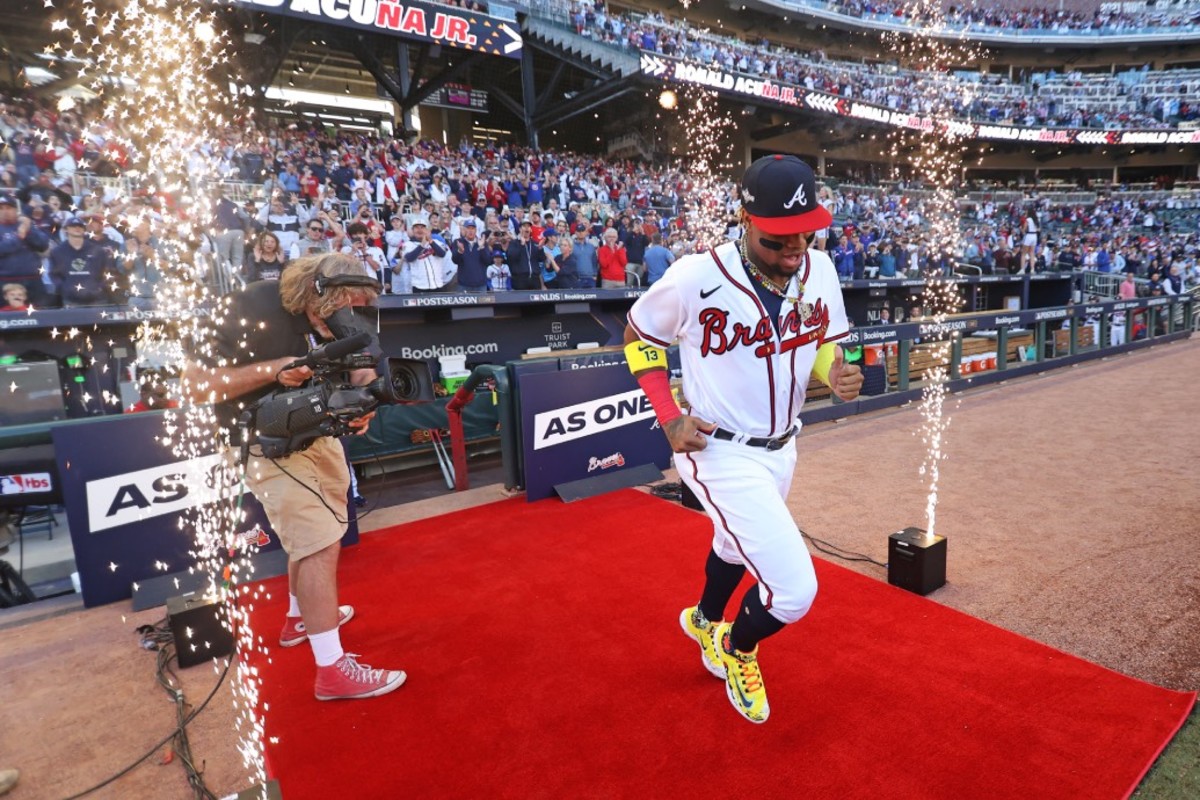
(738, 371)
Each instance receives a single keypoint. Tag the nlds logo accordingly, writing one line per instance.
(615, 460)
(28, 483)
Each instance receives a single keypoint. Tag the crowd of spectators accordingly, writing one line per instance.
(1137, 99)
(1114, 18)
(884, 234)
(421, 216)
(424, 217)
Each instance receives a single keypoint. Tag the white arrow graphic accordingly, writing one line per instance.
(652, 65)
(821, 102)
(516, 42)
(1091, 137)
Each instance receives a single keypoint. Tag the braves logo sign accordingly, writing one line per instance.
(795, 331)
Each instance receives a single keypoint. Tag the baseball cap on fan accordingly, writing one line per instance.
(780, 195)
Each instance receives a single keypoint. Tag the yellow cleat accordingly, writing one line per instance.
(696, 626)
(743, 680)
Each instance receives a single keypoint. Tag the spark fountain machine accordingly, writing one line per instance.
(916, 560)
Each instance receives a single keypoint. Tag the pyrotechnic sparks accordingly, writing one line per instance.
(157, 67)
(935, 157)
(706, 165)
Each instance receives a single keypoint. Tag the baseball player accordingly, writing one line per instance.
(753, 318)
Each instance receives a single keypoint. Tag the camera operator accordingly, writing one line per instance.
(304, 492)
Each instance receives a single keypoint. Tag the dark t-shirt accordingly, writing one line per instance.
(255, 327)
(264, 270)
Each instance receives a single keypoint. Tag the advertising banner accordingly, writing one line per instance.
(580, 423)
(493, 341)
(128, 500)
(448, 25)
(671, 69)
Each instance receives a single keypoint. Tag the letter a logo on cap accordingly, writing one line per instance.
(798, 197)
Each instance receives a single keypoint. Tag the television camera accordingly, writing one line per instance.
(289, 420)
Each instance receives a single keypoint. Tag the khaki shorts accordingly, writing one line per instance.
(300, 518)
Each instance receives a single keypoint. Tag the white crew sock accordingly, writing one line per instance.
(326, 647)
(293, 605)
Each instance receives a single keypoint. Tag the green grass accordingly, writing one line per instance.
(1176, 774)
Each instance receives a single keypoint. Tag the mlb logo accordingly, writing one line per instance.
(29, 483)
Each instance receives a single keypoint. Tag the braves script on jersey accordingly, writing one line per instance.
(739, 370)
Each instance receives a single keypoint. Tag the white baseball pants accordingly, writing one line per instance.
(743, 489)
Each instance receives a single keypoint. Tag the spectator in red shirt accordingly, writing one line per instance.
(612, 261)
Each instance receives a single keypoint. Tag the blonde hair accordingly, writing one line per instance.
(298, 290)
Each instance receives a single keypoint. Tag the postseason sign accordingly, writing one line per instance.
(668, 68)
(446, 25)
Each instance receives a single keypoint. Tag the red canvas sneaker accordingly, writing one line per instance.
(349, 680)
(294, 632)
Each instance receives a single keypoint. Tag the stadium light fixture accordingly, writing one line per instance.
(329, 100)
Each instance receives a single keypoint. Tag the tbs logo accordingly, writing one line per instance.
(28, 483)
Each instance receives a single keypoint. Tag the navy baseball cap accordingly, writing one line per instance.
(7, 200)
(780, 195)
(74, 222)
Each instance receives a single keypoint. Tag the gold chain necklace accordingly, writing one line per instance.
(766, 282)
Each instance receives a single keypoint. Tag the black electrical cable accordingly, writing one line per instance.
(152, 636)
(830, 549)
(673, 490)
(666, 490)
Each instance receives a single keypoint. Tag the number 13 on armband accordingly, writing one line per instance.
(650, 352)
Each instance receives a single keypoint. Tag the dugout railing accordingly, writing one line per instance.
(972, 350)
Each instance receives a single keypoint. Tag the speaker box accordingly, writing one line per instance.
(199, 626)
(916, 560)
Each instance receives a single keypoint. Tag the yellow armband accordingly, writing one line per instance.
(825, 355)
(642, 356)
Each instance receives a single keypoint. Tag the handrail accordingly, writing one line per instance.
(987, 33)
(508, 424)
(37, 433)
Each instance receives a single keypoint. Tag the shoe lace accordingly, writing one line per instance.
(751, 676)
(359, 672)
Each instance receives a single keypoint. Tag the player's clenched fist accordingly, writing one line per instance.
(846, 380)
(688, 434)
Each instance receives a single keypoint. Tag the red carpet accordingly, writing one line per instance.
(545, 660)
